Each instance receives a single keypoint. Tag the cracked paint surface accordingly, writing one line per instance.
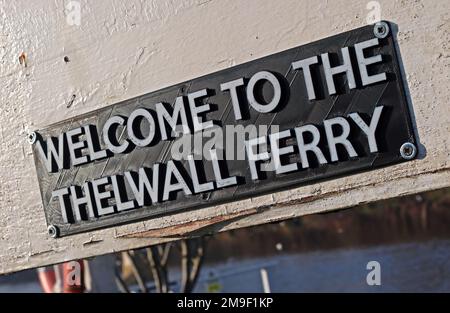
(124, 49)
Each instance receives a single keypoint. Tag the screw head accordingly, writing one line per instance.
(381, 29)
(31, 137)
(408, 151)
(53, 231)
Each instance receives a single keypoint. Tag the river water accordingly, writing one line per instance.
(406, 267)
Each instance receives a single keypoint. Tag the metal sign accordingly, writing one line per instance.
(321, 110)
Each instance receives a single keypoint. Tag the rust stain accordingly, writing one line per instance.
(184, 229)
(23, 59)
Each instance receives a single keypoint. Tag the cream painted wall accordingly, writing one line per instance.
(126, 48)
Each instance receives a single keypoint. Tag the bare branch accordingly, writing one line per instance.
(121, 284)
(185, 265)
(165, 254)
(136, 272)
(153, 259)
(118, 276)
(197, 261)
(192, 255)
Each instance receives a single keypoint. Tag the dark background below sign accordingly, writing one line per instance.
(393, 130)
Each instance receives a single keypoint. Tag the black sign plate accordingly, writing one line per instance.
(369, 103)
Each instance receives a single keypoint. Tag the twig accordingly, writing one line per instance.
(136, 273)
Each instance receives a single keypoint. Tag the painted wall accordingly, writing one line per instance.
(122, 49)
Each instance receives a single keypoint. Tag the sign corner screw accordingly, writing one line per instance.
(408, 151)
(381, 29)
(31, 137)
(53, 231)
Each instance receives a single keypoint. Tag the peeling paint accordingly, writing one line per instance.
(92, 241)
